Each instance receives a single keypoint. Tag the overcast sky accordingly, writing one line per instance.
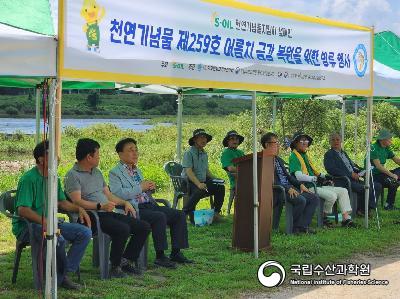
(383, 14)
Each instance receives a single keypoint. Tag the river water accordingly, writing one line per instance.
(28, 125)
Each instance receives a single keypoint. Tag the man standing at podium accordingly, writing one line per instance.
(304, 202)
(195, 168)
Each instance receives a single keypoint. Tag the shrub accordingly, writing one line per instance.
(93, 99)
(148, 102)
(12, 111)
(211, 105)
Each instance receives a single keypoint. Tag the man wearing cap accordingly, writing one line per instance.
(338, 163)
(195, 168)
(301, 166)
(231, 142)
(304, 202)
(380, 152)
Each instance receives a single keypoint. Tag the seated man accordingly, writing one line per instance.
(338, 163)
(303, 169)
(304, 202)
(86, 187)
(126, 181)
(30, 202)
(231, 142)
(195, 167)
(380, 152)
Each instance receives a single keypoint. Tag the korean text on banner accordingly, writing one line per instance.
(211, 43)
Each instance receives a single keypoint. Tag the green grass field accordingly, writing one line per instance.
(220, 271)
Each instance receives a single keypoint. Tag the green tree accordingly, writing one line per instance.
(12, 111)
(93, 99)
(386, 115)
(211, 105)
(150, 101)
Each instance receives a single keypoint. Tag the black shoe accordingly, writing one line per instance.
(391, 208)
(298, 231)
(180, 258)
(348, 223)
(360, 213)
(388, 207)
(304, 230)
(327, 223)
(116, 272)
(218, 218)
(69, 284)
(310, 230)
(165, 262)
(130, 269)
(191, 217)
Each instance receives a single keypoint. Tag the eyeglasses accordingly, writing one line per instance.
(272, 142)
(304, 141)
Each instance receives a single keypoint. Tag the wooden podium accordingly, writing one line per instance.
(243, 225)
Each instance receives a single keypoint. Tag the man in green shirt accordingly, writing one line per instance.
(231, 142)
(201, 180)
(31, 203)
(380, 152)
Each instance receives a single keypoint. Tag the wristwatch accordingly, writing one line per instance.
(98, 207)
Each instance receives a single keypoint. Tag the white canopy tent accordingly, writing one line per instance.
(51, 290)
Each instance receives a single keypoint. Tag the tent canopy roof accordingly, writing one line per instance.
(31, 15)
(387, 49)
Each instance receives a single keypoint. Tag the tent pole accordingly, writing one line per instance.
(38, 96)
(355, 128)
(368, 155)
(274, 102)
(179, 128)
(369, 130)
(255, 178)
(343, 118)
(58, 120)
(51, 238)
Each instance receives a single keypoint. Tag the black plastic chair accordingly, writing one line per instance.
(288, 211)
(180, 183)
(382, 198)
(102, 241)
(232, 195)
(7, 207)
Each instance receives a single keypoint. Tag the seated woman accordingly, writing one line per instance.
(303, 169)
(126, 181)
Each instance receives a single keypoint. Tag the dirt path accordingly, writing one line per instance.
(383, 267)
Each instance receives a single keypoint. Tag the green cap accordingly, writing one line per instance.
(384, 134)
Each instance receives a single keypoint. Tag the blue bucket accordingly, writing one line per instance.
(203, 217)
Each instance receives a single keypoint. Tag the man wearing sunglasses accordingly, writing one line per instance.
(304, 202)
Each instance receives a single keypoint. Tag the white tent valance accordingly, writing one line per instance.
(24, 53)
